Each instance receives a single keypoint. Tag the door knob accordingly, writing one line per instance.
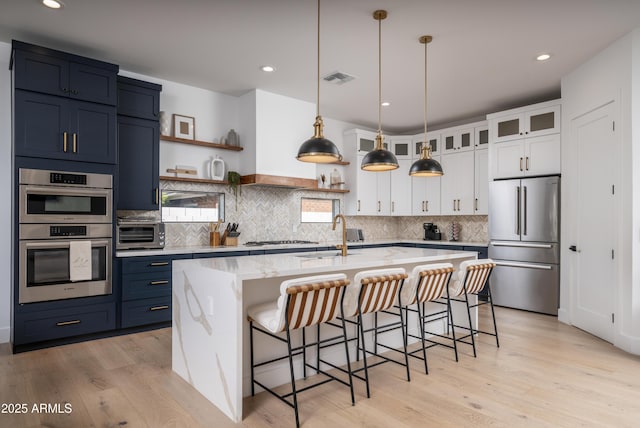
(573, 248)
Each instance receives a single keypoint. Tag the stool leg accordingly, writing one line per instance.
(304, 353)
(473, 340)
(318, 349)
(346, 350)
(403, 325)
(293, 379)
(493, 314)
(375, 332)
(450, 323)
(364, 353)
(253, 387)
(424, 352)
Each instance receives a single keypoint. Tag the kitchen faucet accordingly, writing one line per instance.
(343, 247)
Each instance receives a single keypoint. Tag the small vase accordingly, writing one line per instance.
(165, 124)
(232, 138)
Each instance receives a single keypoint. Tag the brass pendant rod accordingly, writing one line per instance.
(425, 93)
(318, 66)
(380, 75)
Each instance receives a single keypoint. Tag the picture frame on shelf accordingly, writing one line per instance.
(184, 127)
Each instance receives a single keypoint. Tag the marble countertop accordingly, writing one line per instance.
(208, 249)
(277, 265)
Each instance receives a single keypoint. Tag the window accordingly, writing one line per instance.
(318, 210)
(197, 207)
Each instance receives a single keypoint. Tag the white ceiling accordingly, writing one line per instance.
(482, 58)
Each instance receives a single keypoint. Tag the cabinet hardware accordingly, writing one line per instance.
(427, 205)
(454, 204)
(393, 206)
(358, 205)
(520, 164)
(159, 264)
(527, 164)
(518, 210)
(75, 142)
(64, 142)
(573, 248)
(524, 265)
(379, 208)
(157, 195)
(458, 204)
(159, 308)
(65, 90)
(163, 282)
(524, 214)
(475, 207)
(63, 323)
(422, 206)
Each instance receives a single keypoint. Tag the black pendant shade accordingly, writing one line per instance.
(318, 149)
(379, 160)
(426, 168)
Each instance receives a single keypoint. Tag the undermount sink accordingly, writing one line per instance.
(324, 254)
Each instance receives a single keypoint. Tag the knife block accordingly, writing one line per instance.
(231, 241)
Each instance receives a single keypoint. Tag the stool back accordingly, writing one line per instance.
(471, 276)
(426, 283)
(311, 300)
(373, 290)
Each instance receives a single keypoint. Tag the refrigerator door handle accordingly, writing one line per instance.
(519, 244)
(524, 210)
(518, 210)
(523, 265)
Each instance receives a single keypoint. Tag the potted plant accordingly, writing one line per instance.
(233, 178)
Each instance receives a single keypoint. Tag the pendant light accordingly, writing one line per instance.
(379, 159)
(425, 166)
(318, 149)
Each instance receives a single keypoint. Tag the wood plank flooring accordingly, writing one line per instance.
(544, 374)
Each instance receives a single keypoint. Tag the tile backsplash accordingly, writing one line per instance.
(271, 213)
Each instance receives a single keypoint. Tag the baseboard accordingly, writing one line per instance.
(563, 316)
(5, 334)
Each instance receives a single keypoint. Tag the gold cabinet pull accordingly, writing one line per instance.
(159, 264)
(163, 282)
(159, 308)
(423, 209)
(358, 205)
(427, 206)
(63, 323)
(527, 163)
(476, 205)
(75, 142)
(64, 142)
(379, 206)
(520, 164)
(157, 195)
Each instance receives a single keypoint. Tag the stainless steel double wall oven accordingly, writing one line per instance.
(56, 209)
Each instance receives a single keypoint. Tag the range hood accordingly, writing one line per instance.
(272, 128)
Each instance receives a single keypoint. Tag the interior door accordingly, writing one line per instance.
(594, 289)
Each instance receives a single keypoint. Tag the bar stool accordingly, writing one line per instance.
(429, 283)
(374, 291)
(303, 302)
(471, 278)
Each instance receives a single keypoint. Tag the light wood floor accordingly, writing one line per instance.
(544, 374)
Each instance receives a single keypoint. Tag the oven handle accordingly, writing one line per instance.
(64, 243)
(47, 190)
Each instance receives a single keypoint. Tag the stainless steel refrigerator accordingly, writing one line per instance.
(524, 239)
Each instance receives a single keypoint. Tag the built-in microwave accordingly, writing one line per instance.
(65, 197)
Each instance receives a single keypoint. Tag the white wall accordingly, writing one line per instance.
(6, 278)
(607, 77)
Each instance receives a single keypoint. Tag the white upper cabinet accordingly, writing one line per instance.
(457, 186)
(434, 140)
(401, 188)
(425, 199)
(401, 146)
(481, 182)
(533, 150)
(541, 119)
(481, 140)
(457, 139)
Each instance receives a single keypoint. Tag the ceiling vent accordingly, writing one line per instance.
(338, 78)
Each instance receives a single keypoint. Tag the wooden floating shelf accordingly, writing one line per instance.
(192, 180)
(319, 189)
(201, 143)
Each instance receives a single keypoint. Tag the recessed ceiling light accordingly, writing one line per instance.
(385, 104)
(543, 57)
(268, 68)
(53, 4)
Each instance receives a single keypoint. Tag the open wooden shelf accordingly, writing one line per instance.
(319, 189)
(192, 180)
(201, 143)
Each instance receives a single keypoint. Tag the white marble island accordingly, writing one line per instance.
(210, 296)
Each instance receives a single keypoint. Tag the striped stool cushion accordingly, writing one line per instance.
(380, 290)
(426, 283)
(478, 272)
(314, 299)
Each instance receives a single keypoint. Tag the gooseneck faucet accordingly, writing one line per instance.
(343, 247)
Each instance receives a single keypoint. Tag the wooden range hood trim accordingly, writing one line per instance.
(278, 181)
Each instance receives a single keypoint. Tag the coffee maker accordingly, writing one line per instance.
(431, 232)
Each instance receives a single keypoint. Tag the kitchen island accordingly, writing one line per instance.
(210, 297)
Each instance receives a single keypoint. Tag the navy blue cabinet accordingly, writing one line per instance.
(59, 73)
(58, 128)
(146, 289)
(138, 145)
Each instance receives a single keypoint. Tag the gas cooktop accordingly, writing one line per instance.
(259, 243)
